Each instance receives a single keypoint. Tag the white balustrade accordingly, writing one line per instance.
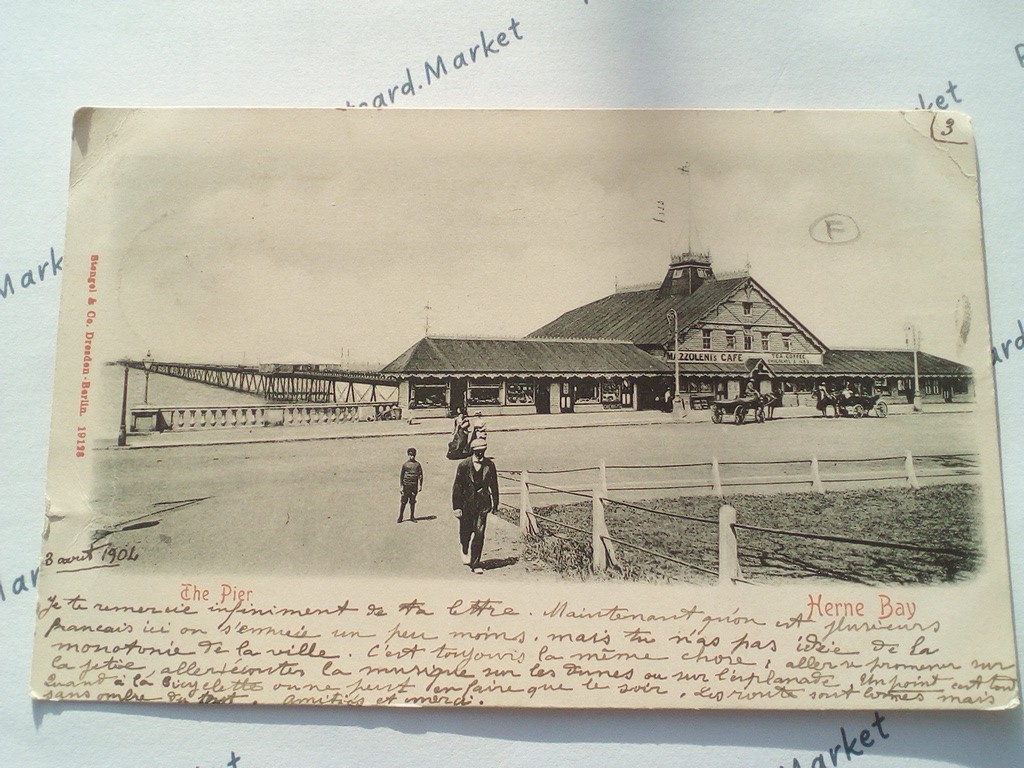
(195, 418)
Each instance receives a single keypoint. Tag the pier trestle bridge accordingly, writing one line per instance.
(294, 395)
(283, 383)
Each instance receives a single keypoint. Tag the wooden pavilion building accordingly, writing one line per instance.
(618, 352)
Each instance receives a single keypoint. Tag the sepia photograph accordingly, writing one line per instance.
(328, 347)
(607, 352)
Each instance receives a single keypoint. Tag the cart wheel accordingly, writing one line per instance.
(739, 414)
(858, 410)
(716, 415)
(881, 409)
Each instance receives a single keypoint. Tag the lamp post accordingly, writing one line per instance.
(122, 434)
(147, 364)
(913, 337)
(673, 319)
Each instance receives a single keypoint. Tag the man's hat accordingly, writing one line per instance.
(478, 445)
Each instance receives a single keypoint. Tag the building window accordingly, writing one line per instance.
(764, 342)
(748, 307)
(587, 391)
(483, 392)
(707, 339)
(519, 393)
(611, 392)
(748, 339)
(730, 339)
(429, 396)
(786, 345)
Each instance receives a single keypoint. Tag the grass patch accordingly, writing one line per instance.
(937, 516)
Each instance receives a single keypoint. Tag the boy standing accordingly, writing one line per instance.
(410, 479)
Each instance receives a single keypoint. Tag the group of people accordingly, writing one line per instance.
(474, 491)
(844, 394)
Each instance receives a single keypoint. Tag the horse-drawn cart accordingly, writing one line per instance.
(853, 405)
(739, 409)
(860, 405)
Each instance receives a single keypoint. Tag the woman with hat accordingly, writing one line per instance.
(458, 446)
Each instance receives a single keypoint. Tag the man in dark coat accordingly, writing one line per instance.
(410, 479)
(474, 496)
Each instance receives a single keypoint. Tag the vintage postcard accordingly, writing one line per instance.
(667, 409)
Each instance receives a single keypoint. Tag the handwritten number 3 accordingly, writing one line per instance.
(949, 128)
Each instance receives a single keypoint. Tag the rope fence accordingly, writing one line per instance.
(657, 466)
(661, 512)
(662, 556)
(604, 544)
(854, 540)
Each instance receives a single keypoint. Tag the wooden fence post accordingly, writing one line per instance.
(728, 555)
(527, 522)
(716, 477)
(911, 474)
(816, 484)
(604, 548)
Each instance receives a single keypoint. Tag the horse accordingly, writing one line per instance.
(824, 399)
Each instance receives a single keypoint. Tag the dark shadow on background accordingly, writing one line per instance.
(949, 737)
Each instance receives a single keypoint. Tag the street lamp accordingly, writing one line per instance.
(147, 364)
(913, 337)
(122, 434)
(673, 319)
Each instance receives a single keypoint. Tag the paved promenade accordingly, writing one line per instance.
(440, 426)
(327, 503)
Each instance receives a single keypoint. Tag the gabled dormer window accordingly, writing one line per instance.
(748, 307)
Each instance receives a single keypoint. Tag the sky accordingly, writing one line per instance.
(323, 235)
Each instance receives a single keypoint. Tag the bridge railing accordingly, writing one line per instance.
(191, 418)
(302, 384)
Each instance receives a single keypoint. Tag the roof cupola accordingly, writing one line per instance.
(686, 273)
